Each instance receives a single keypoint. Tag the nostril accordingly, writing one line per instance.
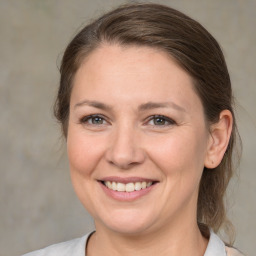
(125, 158)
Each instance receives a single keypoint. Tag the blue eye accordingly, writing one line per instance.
(93, 120)
(159, 120)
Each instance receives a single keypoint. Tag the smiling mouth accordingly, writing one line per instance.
(128, 187)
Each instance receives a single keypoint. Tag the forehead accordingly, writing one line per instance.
(124, 56)
(137, 73)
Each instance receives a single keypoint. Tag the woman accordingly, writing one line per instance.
(145, 104)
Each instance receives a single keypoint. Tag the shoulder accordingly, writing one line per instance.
(233, 252)
(75, 247)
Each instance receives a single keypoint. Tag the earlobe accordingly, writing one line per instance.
(219, 139)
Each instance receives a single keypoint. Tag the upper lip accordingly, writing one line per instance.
(126, 180)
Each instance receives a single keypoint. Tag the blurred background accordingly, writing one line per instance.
(37, 204)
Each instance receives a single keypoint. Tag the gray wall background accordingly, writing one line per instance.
(37, 204)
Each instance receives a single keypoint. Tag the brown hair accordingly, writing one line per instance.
(194, 49)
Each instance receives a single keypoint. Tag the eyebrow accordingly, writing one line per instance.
(143, 107)
(153, 105)
(95, 104)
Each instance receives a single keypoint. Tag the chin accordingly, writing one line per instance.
(127, 223)
(127, 229)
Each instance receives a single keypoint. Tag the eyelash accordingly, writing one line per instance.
(89, 120)
(166, 119)
(85, 120)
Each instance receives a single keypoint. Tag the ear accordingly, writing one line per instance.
(219, 139)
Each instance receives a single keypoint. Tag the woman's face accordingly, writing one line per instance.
(137, 140)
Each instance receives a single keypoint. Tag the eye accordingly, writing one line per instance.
(159, 120)
(93, 120)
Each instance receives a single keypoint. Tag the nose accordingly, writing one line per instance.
(125, 150)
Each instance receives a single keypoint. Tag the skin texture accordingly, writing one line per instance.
(119, 85)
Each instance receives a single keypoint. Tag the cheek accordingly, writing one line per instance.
(84, 152)
(179, 155)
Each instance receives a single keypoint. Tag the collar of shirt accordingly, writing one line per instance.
(215, 246)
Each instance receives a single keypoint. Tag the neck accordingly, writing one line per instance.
(176, 242)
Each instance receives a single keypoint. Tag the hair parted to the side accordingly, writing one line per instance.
(195, 50)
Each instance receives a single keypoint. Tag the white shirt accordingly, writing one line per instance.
(76, 247)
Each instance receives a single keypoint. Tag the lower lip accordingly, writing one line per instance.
(126, 196)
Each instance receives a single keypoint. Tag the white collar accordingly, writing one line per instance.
(215, 246)
(76, 247)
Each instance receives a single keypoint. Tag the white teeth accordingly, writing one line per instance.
(120, 187)
(149, 184)
(114, 187)
(129, 187)
(137, 186)
(109, 184)
(143, 184)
